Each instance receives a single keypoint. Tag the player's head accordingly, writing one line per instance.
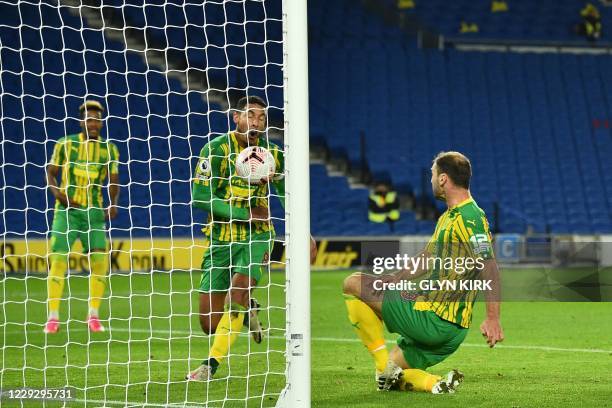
(450, 171)
(250, 118)
(91, 113)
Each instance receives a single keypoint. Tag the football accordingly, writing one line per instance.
(255, 163)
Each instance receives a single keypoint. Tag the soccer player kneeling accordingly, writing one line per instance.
(239, 233)
(431, 324)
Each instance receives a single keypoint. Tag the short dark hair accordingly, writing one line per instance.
(456, 166)
(247, 100)
(91, 105)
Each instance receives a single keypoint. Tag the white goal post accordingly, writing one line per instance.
(295, 44)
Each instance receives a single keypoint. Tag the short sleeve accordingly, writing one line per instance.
(203, 170)
(475, 232)
(114, 159)
(59, 153)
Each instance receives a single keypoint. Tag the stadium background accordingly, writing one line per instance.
(389, 88)
(536, 126)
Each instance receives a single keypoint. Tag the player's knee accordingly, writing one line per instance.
(350, 284)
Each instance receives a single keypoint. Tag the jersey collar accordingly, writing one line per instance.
(461, 204)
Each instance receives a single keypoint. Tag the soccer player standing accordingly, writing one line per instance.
(85, 160)
(431, 324)
(239, 232)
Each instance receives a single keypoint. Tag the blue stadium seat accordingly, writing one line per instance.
(518, 144)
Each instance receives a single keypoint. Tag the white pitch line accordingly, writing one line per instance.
(347, 340)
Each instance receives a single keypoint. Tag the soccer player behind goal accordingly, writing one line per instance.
(431, 325)
(239, 233)
(84, 160)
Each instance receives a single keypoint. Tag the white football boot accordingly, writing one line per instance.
(449, 383)
(390, 378)
(255, 327)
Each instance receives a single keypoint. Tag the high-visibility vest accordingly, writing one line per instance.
(383, 208)
(405, 4)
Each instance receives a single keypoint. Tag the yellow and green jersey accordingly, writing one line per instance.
(462, 232)
(85, 164)
(227, 197)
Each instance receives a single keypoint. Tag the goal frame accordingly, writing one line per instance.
(296, 393)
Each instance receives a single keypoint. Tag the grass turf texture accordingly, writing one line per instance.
(148, 349)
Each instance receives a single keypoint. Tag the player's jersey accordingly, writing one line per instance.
(217, 174)
(462, 232)
(85, 165)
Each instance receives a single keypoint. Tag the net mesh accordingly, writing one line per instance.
(167, 74)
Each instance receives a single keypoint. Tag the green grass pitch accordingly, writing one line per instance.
(555, 354)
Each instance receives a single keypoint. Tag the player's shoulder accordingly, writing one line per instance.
(111, 149)
(275, 149)
(273, 146)
(217, 146)
(472, 215)
(470, 209)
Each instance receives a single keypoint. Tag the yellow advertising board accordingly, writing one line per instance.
(159, 254)
(141, 255)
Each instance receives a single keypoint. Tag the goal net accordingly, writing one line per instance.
(168, 75)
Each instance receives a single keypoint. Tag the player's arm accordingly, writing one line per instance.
(491, 327)
(113, 183)
(53, 169)
(479, 246)
(204, 190)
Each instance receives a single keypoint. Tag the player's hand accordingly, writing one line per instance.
(110, 213)
(313, 250)
(260, 214)
(492, 330)
(63, 199)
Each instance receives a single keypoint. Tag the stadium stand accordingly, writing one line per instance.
(526, 120)
(524, 20)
